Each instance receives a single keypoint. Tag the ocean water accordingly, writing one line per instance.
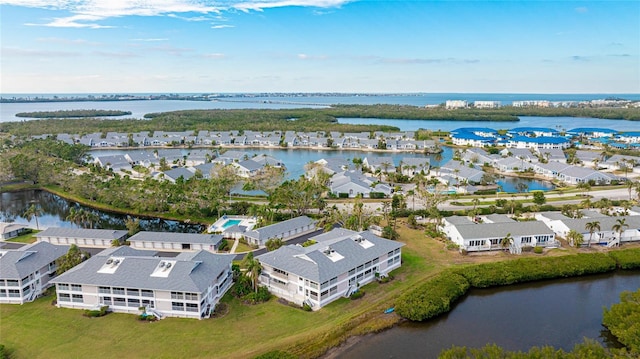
(141, 107)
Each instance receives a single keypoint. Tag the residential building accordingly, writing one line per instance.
(169, 241)
(487, 104)
(11, 230)
(337, 265)
(285, 230)
(126, 279)
(95, 238)
(410, 166)
(449, 104)
(25, 273)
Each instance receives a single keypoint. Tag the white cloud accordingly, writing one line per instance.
(90, 13)
(221, 26)
(214, 56)
(311, 57)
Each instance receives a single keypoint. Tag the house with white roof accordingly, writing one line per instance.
(410, 166)
(125, 279)
(561, 225)
(337, 265)
(285, 230)
(543, 142)
(473, 236)
(629, 137)
(25, 272)
(355, 183)
(170, 241)
(576, 175)
(95, 238)
(383, 164)
(11, 230)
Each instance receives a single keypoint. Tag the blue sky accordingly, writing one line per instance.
(76, 46)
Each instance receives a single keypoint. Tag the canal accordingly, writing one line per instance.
(558, 313)
(55, 211)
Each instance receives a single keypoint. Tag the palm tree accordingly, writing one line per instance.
(412, 193)
(630, 187)
(592, 227)
(619, 228)
(33, 212)
(506, 241)
(253, 269)
(75, 216)
(575, 238)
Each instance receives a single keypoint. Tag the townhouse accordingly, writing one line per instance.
(338, 264)
(94, 238)
(169, 241)
(128, 280)
(285, 230)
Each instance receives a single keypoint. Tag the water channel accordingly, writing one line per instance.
(55, 210)
(559, 313)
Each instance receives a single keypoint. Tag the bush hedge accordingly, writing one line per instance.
(433, 297)
(530, 269)
(96, 313)
(627, 259)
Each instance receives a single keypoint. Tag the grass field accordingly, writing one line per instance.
(40, 330)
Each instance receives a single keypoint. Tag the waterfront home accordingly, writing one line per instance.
(551, 170)
(461, 172)
(589, 158)
(475, 137)
(25, 272)
(142, 158)
(478, 156)
(533, 132)
(125, 280)
(338, 264)
(410, 166)
(355, 183)
(511, 164)
(575, 175)
(451, 104)
(169, 241)
(379, 164)
(592, 132)
(487, 104)
(11, 230)
(331, 165)
(520, 153)
(552, 154)
(113, 162)
(622, 162)
(174, 174)
(247, 168)
(473, 236)
(561, 225)
(95, 238)
(285, 230)
(543, 143)
(629, 137)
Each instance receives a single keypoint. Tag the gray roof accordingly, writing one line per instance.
(176, 237)
(499, 218)
(18, 263)
(109, 234)
(191, 272)
(554, 215)
(606, 223)
(176, 173)
(415, 161)
(487, 230)
(313, 264)
(276, 229)
(457, 220)
(10, 227)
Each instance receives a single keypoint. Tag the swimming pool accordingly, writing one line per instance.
(230, 222)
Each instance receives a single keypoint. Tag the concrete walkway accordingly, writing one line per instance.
(235, 245)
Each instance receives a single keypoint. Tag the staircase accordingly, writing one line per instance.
(155, 313)
(515, 248)
(613, 242)
(350, 291)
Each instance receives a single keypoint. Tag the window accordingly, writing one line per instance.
(77, 298)
(190, 296)
(177, 295)
(14, 293)
(26, 290)
(375, 260)
(324, 294)
(118, 291)
(147, 293)
(76, 287)
(64, 297)
(389, 261)
(62, 286)
(333, 290)
(177, 306)
(149, 303)
(105, 300)
(134, 292)
(525, 240)
(360, 268)
(495, 241)
(25, 279)
(3, 292)
(192, 307)
(390, 254)
(133, 302)
(119, 302)
(333, 280)
(367, 265)
(324, 285)
(104, 290)
(367, 272)
(280, 271)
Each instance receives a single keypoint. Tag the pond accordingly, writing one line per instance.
(559, 313)
(55, 211)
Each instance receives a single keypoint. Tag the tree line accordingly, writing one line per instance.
(73, 113)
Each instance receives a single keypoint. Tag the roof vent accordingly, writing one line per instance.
(109, 261)
(168, 265)
(162, 264)
(116, 262)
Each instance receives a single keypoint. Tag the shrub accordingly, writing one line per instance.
(537, 250)
(376, 195)
(622, 320)
(147, 317)
(306, 307)
(96, 313)
(343, 195)
(536, 268)
(433, 297)
(357, 295)
(260, 296)
(627, 259)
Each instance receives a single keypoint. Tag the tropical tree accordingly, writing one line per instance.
(73, 257)
(274, 243)
(33, 212)
(506, 241)
(619, 227)
(253, 269)
(575, 238)
(132, 225)
(592, 227)
(539, 198)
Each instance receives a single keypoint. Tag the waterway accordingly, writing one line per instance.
(55, 211)
(296, 159)
(559, 313)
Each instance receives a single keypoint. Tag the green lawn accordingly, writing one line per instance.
(25, 238)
